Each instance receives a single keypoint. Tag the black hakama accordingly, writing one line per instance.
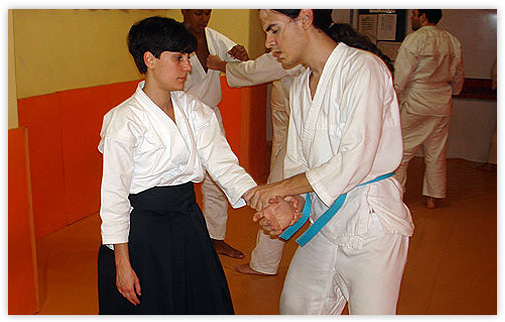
(173, 256)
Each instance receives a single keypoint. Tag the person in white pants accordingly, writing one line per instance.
(344, 143)
(267, 254)
(428, 72)
(205, 84)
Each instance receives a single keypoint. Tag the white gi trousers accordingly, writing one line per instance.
(429, 133)
(215, 203)
(267, 254)
(323, 277)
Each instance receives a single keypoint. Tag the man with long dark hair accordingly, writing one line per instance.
(344, 143)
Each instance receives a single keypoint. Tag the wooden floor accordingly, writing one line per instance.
(451, 268)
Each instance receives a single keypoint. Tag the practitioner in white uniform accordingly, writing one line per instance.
(156, 255)
(428, 72)
(266, 256)
(205, 84)
(344, 139)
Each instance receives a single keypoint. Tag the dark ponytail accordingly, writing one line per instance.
(342, 32)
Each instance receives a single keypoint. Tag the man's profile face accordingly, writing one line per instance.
(282, 37)
(414, 19)
(196, 19)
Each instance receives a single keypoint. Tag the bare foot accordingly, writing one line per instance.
(226, 250)
(430, 202)
(246, 269)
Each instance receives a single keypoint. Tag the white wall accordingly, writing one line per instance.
(472, 125)
(477, 31)
(473, 120)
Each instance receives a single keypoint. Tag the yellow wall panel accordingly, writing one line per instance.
(12, 100)
(234, 23)
(256, 35)
(62, 49)
(240, 25)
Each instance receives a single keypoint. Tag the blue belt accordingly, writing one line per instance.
(323, 220)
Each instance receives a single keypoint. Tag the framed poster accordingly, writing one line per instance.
(386, 27)
(382, 24)
(367, 25)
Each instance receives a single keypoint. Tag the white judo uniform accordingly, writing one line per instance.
(348, 134)
(428, 71)
(142, 144)
(207, 87)
(267, 254)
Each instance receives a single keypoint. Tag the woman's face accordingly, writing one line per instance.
(284, 36)
(170, 70)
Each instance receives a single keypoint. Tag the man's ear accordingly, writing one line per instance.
(422, 18)
(306, 17)
(149, 59)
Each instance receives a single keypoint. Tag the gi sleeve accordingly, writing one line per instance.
(118, 164)
(218, 158)
(405, 64)
(362, 107)
(263, 69)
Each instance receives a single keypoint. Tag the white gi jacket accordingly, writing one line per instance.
(206, 86)
(143, 148)
(347, 135)
(265, 69)
(428, 71)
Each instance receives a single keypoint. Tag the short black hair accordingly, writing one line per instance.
(156, 35)
(433, 15)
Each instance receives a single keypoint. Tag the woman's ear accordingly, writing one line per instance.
(149, 59)
(306, 17)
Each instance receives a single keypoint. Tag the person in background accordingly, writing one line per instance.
(205, 84)
(156, 255)
(267, 254)
(344, 142)
(428, 72)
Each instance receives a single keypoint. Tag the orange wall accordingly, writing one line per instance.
(66, 69)
(63, 135)
(64, 132)
(53, 50)
(70, 66)
(23, 289)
